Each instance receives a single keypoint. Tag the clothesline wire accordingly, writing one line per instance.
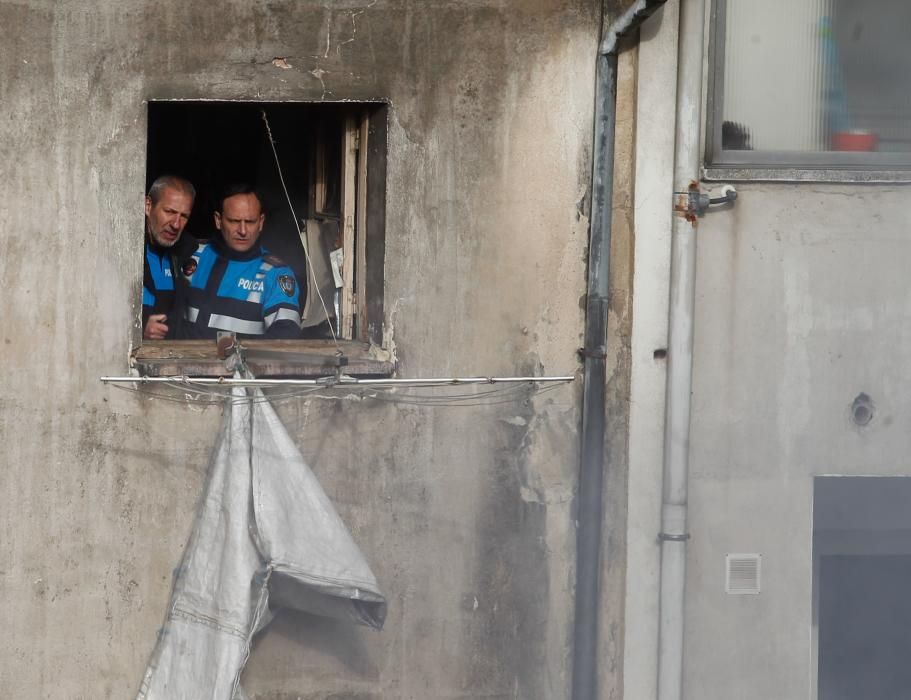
(489, 397)
(367, 391)
(352, 393)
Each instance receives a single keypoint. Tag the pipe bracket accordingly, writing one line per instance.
(667, 537)
(599, 353)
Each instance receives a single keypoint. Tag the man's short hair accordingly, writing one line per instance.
(235, 189)
(174, 182)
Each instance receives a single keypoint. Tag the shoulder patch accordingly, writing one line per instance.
(189, 267)
(274, 260)
(287, 284)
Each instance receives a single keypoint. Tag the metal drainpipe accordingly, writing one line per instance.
(674, 533)
(591, 478)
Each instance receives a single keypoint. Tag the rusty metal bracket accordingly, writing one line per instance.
(694, 203)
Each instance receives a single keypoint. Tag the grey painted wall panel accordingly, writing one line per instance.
(802, 304)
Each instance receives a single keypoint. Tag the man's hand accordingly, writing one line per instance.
(156, 327)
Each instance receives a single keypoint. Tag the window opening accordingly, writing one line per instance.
(333, 160)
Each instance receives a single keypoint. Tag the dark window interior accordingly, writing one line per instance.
(214, 144)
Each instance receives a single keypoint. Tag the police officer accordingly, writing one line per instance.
(233, 284)
(167, 209)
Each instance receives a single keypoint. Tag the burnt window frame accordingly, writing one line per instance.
(364, 139)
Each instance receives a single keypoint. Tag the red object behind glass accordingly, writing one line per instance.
(854, 141)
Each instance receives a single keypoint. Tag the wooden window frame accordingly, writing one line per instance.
(362, 228)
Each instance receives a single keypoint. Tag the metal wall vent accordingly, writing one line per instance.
(742, 574)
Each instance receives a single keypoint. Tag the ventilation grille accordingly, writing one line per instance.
(742, 574)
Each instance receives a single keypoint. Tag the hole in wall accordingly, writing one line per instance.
(862, 410)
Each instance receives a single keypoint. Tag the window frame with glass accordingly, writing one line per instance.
(748, 164)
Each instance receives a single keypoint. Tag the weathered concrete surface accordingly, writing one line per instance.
(619, 332)
(465, 513)
(654, 167)
(802, 304)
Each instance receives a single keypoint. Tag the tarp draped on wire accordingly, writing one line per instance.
(266, 537)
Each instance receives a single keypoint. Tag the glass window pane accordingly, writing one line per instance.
(826, 77)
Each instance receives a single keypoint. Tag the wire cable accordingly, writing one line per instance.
(207, 395)
(300, 233)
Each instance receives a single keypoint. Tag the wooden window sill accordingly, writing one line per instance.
(265, 358)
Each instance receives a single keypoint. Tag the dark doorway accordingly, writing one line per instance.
(862, 606)
(864, 627)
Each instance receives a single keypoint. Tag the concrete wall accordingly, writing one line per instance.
(465, 513)
(654, 164)
(801, 304)
(619, 327)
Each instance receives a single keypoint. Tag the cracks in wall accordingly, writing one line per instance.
(328, 36)
(284, 63)
(318, 73)
(323, 60)
(353, 15)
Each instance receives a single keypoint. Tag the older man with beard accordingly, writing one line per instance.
(167, 209)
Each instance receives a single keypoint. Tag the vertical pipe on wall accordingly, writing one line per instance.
(680, 358)
(591, 476)
(589, 513)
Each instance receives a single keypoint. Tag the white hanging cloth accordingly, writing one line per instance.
(265, 537)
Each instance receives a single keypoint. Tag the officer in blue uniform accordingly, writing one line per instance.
(167, 209)
(232, 284)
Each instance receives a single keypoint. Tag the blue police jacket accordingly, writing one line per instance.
(159, 293)
(157, 281)
(252, 294)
